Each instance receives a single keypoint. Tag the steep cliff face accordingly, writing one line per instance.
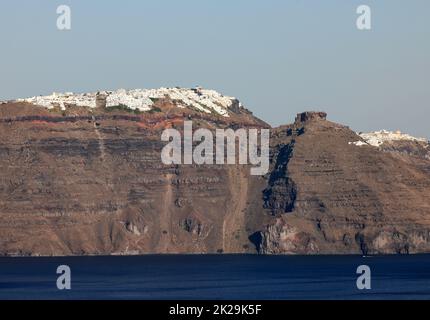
(90, 181)
(347, 198)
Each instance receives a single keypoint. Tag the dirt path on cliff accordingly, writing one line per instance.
(102, 149)
(165, 217)
(234, 221)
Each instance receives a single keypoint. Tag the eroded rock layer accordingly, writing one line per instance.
(80, 181)
(332, 196)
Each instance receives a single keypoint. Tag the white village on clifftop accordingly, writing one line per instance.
(141, 99)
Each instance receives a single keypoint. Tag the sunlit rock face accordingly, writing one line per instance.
(88, 179)
(327, 195)
(82, 174)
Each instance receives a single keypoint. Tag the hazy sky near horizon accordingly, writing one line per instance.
(278, 57)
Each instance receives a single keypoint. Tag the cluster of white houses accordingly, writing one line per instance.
(207, 101)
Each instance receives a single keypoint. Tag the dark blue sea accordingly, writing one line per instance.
(216, 277)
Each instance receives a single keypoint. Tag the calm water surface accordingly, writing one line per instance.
(216, 277)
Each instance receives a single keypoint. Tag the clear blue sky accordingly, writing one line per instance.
(278, 57)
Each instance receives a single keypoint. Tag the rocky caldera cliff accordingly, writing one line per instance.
(81, 174)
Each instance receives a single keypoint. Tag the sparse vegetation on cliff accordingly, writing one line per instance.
(123, 107)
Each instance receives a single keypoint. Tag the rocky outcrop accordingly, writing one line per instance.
(101, 100)
(281, 193)
(78, 181)
(347, 198)
(309, 116)
(418, 149)
(194, 226)
(282, 238)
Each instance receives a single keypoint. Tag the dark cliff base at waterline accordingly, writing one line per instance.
(80, 182)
